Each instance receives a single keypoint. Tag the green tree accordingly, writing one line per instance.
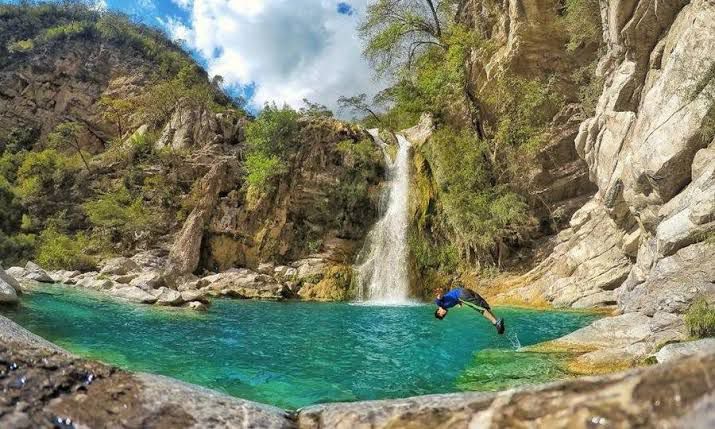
(118, 111)
(397, 31)
(67, 135)
(358, 105)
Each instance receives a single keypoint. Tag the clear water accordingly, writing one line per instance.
(293, 354)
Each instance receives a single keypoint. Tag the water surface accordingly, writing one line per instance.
(294, 354)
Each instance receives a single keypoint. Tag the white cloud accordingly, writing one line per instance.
(291, 49)
(100, 5)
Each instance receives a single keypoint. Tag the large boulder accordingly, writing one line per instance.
(166, 296)
(34, 272)
(246, 284)
(133, 294)
(148, 280)
(677, 351)
(119, 266)
(7, 293)
(10, 280)
(673, 282)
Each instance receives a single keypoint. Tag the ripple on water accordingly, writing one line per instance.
(293, 354)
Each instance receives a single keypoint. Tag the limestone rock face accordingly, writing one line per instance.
(673, 282)
(650, 153)
(186, 250)
(191, 128)
(306, 213)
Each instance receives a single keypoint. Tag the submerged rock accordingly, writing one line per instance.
(649, 397)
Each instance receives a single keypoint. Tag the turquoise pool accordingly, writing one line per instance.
(294, 354)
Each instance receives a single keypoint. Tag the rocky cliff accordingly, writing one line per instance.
(643, 243)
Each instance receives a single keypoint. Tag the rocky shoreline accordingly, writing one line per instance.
(144, 279)
(44, 386)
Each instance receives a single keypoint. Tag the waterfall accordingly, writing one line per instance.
(382, 269)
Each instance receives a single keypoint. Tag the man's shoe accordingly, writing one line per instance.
(500, 326)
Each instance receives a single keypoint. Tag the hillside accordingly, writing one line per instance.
(113, 139)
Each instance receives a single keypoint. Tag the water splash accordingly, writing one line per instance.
(514, 340)
(382, 269)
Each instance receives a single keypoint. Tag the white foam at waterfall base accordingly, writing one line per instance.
(382, 269)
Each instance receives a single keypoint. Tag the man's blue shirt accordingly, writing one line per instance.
(449, 299)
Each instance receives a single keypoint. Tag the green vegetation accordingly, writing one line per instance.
(582, 20)
(60, 251)
(268, 140)
(119, 217)
(700, 319)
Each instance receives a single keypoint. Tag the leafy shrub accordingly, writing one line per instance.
(700, 319)
(582, 20)
(478, 213)
(269, 140)
(119, 216)
(60, 251)
(21, 46)
(261, 168)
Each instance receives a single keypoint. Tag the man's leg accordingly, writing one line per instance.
(474, 299)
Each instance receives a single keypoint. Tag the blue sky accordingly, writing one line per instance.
(268, 50)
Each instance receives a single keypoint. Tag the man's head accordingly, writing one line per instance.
(440, 313)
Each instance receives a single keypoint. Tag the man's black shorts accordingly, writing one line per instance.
(471, 297)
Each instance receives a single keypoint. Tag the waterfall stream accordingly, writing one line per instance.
(382, 269)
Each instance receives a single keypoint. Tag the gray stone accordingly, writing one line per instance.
(7, 293)
(168, 296)
(678, 351)
(10, 280)
(133, 294)
(197, 306)
(147, 280)
(194, 295)
(34, 272)
(16, 272)
(119, 266)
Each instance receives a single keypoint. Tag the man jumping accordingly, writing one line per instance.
(463, 296)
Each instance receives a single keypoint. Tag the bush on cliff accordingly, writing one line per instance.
(269, 140)
(700, 319)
